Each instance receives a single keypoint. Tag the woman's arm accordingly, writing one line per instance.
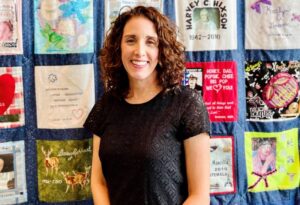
(98, 182)
(197, 156)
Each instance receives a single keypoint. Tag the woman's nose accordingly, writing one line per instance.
(140, 49)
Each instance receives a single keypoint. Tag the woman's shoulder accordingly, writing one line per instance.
(107, 96)
(105, 99)
(186, 93)
(102, 107)
(182, 97)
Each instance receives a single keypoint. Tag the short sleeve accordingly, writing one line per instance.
(194, 119)
(96, 119)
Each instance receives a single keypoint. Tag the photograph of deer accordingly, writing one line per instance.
(51, 163)
(64, 170)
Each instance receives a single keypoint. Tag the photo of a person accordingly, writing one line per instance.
(192, 83)
(1, 164)
(6, 31)
(193, 79)
(205, 19)
(292, 110)
(6, 172)
(264, 155)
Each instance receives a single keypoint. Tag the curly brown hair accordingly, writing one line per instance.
(171, 52)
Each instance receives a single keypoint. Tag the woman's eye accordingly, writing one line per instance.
(152, 42)
(129, 40)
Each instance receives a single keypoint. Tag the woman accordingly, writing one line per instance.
(151, 142)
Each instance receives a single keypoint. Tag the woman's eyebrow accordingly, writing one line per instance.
(133, 35)
(153, 37)
(129, 35)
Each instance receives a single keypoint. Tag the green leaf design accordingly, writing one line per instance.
(52, 38)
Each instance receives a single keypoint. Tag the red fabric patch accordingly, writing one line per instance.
(7, 91)
(219, 89)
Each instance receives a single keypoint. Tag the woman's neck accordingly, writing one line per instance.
(141, 92)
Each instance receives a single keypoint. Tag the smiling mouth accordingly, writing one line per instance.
(139, 63)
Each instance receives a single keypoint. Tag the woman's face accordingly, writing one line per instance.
(139, 49)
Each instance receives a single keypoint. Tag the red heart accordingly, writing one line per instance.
(217, 87)
(77, 113)
(7, 91)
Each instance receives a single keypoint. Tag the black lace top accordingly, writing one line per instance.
(141, 149)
